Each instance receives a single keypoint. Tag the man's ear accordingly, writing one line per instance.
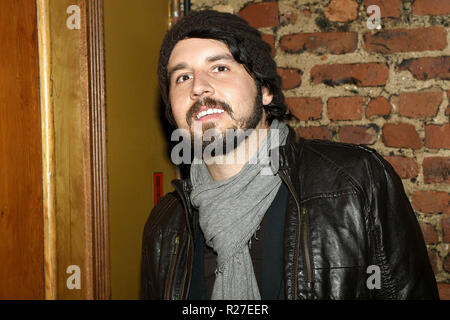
(267, 96)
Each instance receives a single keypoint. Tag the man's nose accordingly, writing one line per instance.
(201, 86)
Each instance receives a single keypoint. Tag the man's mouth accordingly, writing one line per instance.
(206, 111)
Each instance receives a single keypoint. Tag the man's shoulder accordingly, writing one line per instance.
(335, 166)
(339, 153)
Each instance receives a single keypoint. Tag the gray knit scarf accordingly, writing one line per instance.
(231, 212)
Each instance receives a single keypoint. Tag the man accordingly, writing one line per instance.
(331, 221)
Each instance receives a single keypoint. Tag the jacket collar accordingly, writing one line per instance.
(291, 152)
(184, 188)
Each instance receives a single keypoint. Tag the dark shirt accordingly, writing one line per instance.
(266, 245)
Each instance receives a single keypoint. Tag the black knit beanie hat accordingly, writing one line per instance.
(245, 44)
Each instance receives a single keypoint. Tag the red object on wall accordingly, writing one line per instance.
(157, 186)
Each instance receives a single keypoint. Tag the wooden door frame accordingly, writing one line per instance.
(93, 189)
(99, 164)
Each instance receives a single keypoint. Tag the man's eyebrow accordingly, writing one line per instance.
(176, 68)
(220, 57)
(183, 65)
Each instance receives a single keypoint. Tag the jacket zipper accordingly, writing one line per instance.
(298, 237)
(172, 268)
(302, 222)
(187, 275)
(306, 247)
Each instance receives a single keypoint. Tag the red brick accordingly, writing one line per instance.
(437, 136)
(431, 7)
(429, 233)
(388, 8)
(436, 170)
(320, 42)
(262, 14)
(357, 134)
(444, 291)
(446, 264)
(406, 40)
(321, 133)
(378, 107)
(360, 74)
(305, 108)
(427, 68)
(420, 104)
(270, 39)
(291, 78)
(341, 10)
(345, 108)
(430, 201)
(401, 135)
(406, 168)
(446, 229)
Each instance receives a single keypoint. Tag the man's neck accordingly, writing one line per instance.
(226, 166)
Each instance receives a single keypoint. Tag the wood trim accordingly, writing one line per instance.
(48, 150)
(97, 104)
(74, 149)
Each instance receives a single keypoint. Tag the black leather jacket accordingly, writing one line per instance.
(347, 210)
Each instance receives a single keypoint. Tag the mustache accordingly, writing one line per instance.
(210, 102)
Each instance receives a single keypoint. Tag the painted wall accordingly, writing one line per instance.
(136, 143)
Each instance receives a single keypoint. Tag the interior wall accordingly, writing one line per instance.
(137, 146)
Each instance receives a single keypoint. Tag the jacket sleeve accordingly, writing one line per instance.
(153, 270)
(398, 244)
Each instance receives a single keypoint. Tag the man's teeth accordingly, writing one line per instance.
(208, 112)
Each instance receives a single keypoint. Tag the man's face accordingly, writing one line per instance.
(209, 89)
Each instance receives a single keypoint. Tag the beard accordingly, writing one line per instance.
(230, 138)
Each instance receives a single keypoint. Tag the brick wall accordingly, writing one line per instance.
(387, 88)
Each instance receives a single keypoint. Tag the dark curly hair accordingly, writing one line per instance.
(245, 44)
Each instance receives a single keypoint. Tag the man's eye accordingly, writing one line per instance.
(182, 78)
(221, 68)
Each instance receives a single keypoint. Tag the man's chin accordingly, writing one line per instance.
(216, 143)
(211, 125)
(206, 130)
